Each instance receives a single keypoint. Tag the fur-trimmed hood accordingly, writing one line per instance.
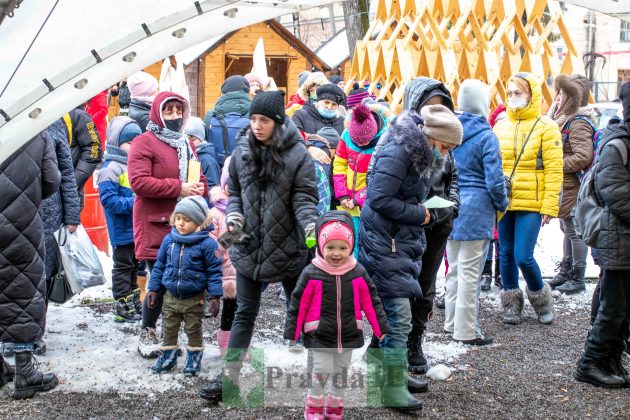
(572, 95)
(314, 79)
(404, 130)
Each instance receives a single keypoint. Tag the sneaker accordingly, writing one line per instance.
(125, 310)
(479, 341)
(149, 343)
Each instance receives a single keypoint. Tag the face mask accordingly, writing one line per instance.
(517, 103)
(174, 125)
(327, 113)
(436, 154)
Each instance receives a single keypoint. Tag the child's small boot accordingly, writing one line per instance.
(193, 360)
(314, 408)
(333, 407)
(167, 360)
(223, 339)
(125, 310)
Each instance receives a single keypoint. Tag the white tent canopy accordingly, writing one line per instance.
(81, 47)
(615, 8)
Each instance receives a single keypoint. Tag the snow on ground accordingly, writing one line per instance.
(89, 351)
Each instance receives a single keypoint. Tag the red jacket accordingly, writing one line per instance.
(154, 177)
(97, 108)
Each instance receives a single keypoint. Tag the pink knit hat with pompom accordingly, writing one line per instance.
(334, 231)
(362, 127)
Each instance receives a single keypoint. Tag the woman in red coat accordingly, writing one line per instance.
(158, 174)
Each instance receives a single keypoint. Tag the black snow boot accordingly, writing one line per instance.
(137, 302)
(28, 380)
(415, 355)
(616, 368)
(575, 283)
(563, 268)
(597, 372)
(6, 372)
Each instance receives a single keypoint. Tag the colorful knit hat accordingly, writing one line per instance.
(362, 127)
(356, 95)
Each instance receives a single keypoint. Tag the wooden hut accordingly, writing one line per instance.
(208, 64)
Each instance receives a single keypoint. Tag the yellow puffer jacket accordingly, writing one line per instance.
(537, 181)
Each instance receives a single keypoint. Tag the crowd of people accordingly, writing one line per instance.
(351, 208)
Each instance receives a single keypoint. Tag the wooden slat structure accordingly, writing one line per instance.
(452, 41)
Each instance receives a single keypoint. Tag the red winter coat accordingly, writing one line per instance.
(97, 108)
(154, 178)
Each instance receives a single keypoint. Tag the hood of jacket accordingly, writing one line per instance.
(404, 130)
(614, 130)
(158, 103)
(534, 108)
(419, 90)
(472, 124)
(205, 148)
(314, 79)
(335, 215)
(114, 128)
(238, 102)
(572, 95)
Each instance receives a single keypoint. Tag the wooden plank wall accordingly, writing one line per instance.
(243, 42)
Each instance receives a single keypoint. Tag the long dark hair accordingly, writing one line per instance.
(267, 161)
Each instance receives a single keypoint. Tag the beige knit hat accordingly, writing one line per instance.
(441, 124)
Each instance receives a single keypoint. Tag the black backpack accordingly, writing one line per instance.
(124, 96)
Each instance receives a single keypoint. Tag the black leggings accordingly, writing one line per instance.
(227, 314)
(150, 316)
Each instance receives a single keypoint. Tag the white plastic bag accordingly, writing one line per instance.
(80, 261)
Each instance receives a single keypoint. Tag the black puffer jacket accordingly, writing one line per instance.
(328, 308)
(26, 177)
(392, 240)
(309, 120)
(139, 112)
(276, 215)
(64, 207)
(85, 145)
(613, 186)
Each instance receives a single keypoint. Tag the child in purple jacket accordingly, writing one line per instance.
(326, 306)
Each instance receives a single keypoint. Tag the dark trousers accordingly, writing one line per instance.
(124, 273)
(595, 299)
(150, 316)
(248, 294)
(228, 311)
(610, 329)
(422, 308)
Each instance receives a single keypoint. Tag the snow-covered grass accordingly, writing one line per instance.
(91, 352)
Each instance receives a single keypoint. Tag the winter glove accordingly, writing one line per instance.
(311, 241)
(214, 303)
(153, 298)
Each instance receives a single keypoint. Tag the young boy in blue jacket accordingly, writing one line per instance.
(188, 265)
(117, 200)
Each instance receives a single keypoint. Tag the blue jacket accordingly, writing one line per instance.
(481, 184)
(187, 265)
(117, 199)
(209, 165)
(391, 240)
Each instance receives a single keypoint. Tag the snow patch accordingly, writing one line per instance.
(439, 373)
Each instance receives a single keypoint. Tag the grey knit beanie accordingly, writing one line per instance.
(195, 127)
(474, 97)
(194, 207)
(441, 124)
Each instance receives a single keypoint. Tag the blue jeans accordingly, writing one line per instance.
(394, 345)
(518, 231)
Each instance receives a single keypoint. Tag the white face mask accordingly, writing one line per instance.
(517, 103)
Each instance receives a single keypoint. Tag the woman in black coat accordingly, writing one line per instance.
(26, 177)
(272, 205)
(391, 242)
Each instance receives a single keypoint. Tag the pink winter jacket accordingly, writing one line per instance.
(220, 227)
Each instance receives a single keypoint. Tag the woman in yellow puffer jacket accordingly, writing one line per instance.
(532, 160)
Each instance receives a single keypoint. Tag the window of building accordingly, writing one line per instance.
(625, 31)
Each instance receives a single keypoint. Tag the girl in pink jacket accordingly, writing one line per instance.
(219, 201)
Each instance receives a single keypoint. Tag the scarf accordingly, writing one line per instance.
(321, 263)
(115, 154)
(177, 141)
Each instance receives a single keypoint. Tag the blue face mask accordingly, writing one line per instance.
(436, 154)
(327, 113)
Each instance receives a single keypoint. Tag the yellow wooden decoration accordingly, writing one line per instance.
(451, 41)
